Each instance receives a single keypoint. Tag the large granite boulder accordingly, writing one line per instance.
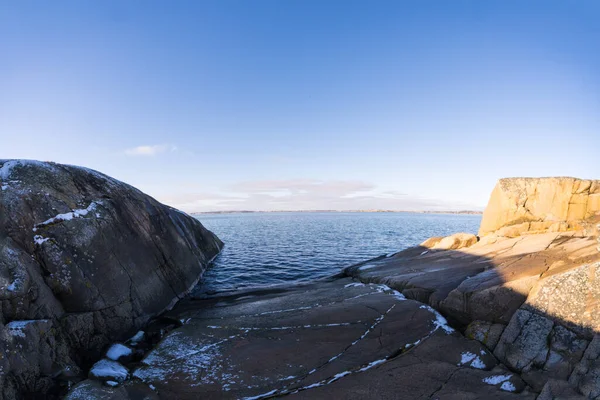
(520, 205)
(85, 260)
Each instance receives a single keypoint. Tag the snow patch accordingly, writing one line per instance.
(7, 168)
(508, 387)
(110, 370)
(69, 216)
(354, 284)
(496, 379)
(472, 359)
(117, 351)
(138, 337)
(37, 239)
(15, 328)
(439, 322)
(13, 286)
(386, 289)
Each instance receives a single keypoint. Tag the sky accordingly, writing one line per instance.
(305, 105)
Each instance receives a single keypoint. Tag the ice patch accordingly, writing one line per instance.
(109, 369)
(496, 379)
(69, 216)
(117, 351)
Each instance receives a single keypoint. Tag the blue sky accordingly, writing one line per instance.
(263, 105)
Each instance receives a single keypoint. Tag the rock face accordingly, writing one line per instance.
(85, 260)
(520, 205)
(337, 339)
(528, 290)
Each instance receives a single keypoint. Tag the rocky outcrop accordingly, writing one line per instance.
(452, 242)
(534, 205)
(528, 290)
(85, 260)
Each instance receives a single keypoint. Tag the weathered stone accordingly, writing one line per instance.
(559, 390)
(456, 241)
(533, 345)
(524, 341)
(485, 332)
(90, 389)
(586, 376)
(432, 241)
(519, 205)
(570, 297)
(85, 260)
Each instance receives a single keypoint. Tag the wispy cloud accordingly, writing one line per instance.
(150, 150)
(299, 186)
(306, 194)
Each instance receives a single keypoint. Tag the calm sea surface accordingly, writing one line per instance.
(263, 249)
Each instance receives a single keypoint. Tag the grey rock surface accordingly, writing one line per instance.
(85, 260)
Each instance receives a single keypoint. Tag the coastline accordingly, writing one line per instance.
(461, 212)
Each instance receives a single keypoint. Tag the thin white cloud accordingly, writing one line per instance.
(150, 150)
(307, 194)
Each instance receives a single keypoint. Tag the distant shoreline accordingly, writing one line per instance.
(462, 212)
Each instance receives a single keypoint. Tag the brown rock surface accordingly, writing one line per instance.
(338, 339)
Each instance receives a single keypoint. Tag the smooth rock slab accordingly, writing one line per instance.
(315, 341)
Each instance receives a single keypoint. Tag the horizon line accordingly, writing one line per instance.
(472, 212)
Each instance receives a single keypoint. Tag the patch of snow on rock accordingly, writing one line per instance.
(15, 328)
(117, 350)
(354, 284)
(110, 370)
(37, 239)
(496, 379)
(8, 166)
(69, 216)
(508, 387)
(439, 322)
(138, 337)
(472, 359)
